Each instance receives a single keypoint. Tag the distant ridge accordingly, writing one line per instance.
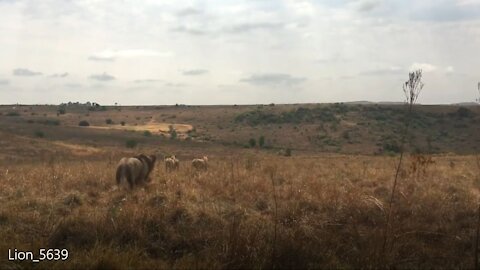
(364, 102)
(361, 102)
(465, 104)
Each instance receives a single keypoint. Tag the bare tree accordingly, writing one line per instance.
(412, 88)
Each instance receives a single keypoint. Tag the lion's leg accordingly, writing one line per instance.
(130, 177)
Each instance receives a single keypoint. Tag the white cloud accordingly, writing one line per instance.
(25, 72)
(273, 79)
(195, 72)
(102, 77)
(468, 2)
(111, 55)
(425, 67)
(362, 42)
(366, 5)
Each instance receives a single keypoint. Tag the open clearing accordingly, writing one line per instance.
(154, 128)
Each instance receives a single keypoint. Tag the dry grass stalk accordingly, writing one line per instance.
(411, 88)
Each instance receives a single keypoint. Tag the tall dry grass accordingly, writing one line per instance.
(326, 212)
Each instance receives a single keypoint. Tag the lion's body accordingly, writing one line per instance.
(200, 163)
(135, 170)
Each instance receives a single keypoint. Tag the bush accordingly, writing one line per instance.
(109, 121)
(297, 116)
(252, 142)
(83, 123)
(463, 112)
(122, 123)
(261, 141)
(131, 143)
(288, 152)
(12, 114)
(39, 134)
(147, 133)
(391, 147)
(61, 110)
(173, 133)
(49, 122)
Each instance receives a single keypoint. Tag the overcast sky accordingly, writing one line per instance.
(236, 52)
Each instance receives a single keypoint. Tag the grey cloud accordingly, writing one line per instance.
(367, 5)
(189, 12)
(189, 30)
(248, 27)
(232, 29)
(147, 81)
(175, 84)
(346, 77)
(102, 77)
(195, 72)
(73, 85)
(382, 72)
(446, 12)
(273, 79)
(4, 82)
(60, 75)
(25, 72)
(102, 58)
(336, 58)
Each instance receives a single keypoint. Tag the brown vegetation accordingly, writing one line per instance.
(329, 214)
(253, 208)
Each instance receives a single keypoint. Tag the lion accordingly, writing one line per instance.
(200, 163)
(135, 170)
(172, 163)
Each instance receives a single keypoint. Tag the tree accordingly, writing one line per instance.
(131, 143)
(83, 123)
(261, 141)
(252, 142)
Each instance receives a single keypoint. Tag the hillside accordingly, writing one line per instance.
(304, 128)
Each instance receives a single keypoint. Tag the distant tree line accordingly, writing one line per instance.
(91, 106)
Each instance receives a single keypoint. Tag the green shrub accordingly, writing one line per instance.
(463, 112)
(261, 141)
(131, 143)
(288, 152)
(39, 134)
(296, 116)
(12, 114)
(49, 122)
(147, 133)
(391, 147)
(109, 121)
(61, 110)
(83, 123)
(172, 132)
(252, 142)
(122, 123)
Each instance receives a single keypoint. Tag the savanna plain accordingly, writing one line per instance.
(301, 186)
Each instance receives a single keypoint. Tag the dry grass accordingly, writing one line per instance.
(330, 214)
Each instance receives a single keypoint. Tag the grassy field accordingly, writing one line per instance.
(252, 209)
